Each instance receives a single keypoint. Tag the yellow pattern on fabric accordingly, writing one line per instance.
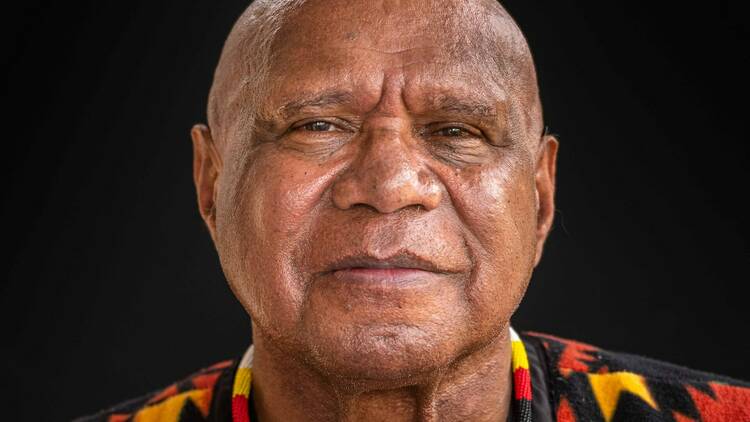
(607, 388)
(519, 359)
(169, 410)
(242, 382)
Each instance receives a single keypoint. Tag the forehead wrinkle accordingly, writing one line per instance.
(493, 41)
(397, 51)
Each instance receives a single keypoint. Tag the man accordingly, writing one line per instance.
(378, 185)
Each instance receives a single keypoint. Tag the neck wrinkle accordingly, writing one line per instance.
(477, 387)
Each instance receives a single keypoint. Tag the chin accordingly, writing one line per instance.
(394, 354)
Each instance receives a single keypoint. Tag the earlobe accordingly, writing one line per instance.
(545, 190)
(206, 170)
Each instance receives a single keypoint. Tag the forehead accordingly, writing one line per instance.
(445, 48)
(389, 24)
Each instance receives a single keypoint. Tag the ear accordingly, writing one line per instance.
(206, 170)
(545, 190)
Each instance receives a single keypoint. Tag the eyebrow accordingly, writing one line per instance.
(443, 103)
(450, 104)
(326, 98)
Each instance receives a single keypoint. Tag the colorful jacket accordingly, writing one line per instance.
(571, 381)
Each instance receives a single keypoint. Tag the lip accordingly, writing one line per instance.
(398, 268)
(394, 275)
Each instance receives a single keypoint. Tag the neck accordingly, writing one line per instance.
(475, 387)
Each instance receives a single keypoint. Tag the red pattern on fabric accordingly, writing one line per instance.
(679, 417)
(220, 365)
(575, 356)
(165, 393)
(730, 404)
(240, 409)
(522, 384)
(205, 380)
(565, 412)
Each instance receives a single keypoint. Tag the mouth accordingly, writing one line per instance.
(399, 268)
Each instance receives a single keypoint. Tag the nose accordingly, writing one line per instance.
(387, 175)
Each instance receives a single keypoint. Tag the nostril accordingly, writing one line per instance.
(363, 205)
(386, 185)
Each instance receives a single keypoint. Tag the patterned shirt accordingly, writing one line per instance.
(570, 382)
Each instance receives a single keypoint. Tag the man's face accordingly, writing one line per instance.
(381, 216)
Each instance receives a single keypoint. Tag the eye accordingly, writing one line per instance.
(318, 126)
(456, 131)
(452, 131)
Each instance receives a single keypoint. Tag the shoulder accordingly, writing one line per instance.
(197, 397)
(587, 383)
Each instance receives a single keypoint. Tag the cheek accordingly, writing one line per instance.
(268, 209)
(496, 204)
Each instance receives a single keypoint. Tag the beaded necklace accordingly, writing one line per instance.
(519, 361)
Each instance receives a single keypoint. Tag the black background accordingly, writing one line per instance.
(111, 287)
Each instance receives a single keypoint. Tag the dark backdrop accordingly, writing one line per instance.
(111, 287)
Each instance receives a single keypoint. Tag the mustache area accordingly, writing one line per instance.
(385, 243)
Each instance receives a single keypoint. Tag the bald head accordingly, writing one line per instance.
(474, 33)
(381, 190)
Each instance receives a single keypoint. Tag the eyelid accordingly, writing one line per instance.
(338, 123)
(470, 130)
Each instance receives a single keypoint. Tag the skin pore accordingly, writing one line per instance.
(377, 185)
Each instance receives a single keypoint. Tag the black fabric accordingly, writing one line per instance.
(541, 402)
(221, 404)
(251, 406)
